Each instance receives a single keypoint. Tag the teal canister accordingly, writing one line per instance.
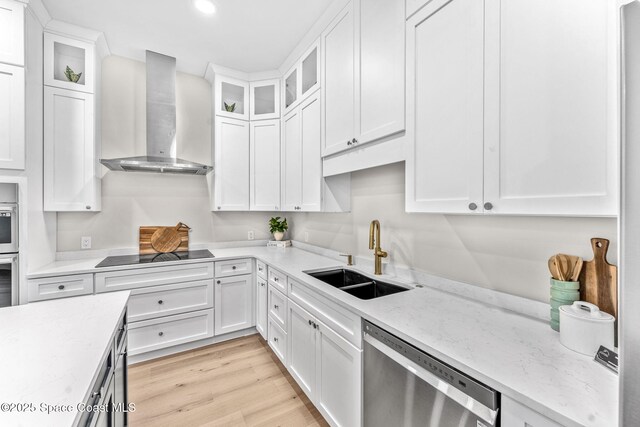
(562, 293)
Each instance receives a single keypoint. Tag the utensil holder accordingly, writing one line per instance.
(562, 293)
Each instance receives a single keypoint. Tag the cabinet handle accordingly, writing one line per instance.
(160, 334)
(61, 287)
(277, 208)
(275, 339)
(473, 206)
(259, 268)
(160, 302)
(218, 282)
(354, 141)
(488, 206)
(88, 207)
(95, 394)
(219, 208)
(233, 267)
(310, 322)
(262, 284)
(276, 306)
(349, 142)
(275, 279)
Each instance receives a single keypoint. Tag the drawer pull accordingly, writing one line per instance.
(95, 394)
(61, 287)
(218, 282)
(259, 268)
(276, 306)
(160, 334)
(160, 302)
(275, 279)
(275, 339)
(310, 322)
(262, 284)
(233, 267)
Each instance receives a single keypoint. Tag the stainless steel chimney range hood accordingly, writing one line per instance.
(161, 125)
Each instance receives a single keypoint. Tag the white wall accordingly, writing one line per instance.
(130, 200)
(508, 254)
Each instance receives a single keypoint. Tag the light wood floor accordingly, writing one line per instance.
(235, 383)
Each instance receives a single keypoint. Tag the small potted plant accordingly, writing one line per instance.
(277, 227)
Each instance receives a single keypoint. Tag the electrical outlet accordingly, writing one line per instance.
(85, 242)
(250, 235)
(306, 236)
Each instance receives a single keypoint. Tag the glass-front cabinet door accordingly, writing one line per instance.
(303, 79)
(68, 63)
(232, 98)
(265, 99)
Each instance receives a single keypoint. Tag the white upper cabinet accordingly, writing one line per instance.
(498, 119)
(301, 164)
(12, 111)
(231, 165)
(231, 98)
(302, 79)
(363, 78)
(69, 63)
(264, 99)
(339, 84)
(70, 165)
(12, 32)
(265, 165)
(444, 90)
(551, 107)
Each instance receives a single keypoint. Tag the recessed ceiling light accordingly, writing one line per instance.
(204, 6)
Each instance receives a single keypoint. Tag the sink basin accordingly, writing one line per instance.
(356, 284)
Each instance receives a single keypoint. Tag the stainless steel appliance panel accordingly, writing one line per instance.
(8, 228)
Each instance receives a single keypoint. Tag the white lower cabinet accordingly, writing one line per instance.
(163, 332)
(159, 301)
(278, 341)
(278, 307)
(261, 306)
(515, 414)
(60, 287)
(233, 303)
(326, 366)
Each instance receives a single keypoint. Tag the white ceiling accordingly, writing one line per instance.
(246, 35)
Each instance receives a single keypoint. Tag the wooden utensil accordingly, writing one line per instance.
(599, 279)
(577, 268)
(553, 268)
(164, 239)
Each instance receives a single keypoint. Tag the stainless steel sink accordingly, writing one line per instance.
(356, 284)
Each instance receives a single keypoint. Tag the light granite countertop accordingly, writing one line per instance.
(51, 354)
(517, 355)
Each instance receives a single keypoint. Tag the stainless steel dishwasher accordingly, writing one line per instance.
(404, 386)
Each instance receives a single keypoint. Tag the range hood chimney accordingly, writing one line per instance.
(161, 125)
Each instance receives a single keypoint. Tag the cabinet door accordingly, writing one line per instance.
(380, 90)
(265, 165)
(261, 307)
(231, 169)
(12, 131)
(338, 83)
(291, 166)
(445, 107)
(264, 99)
(550, 120)
(69, 151)
(233, 304)
(12, 32)
(301, 335)
(311, 162)
(231, 98)
(338, 378)
(514, 414)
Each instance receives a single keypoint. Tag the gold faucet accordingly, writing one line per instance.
(378, 253)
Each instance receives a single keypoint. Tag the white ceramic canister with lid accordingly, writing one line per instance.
(584, 328)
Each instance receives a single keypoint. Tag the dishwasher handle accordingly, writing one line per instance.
(482, 411)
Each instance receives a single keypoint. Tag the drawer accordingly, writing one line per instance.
(344, 322)
(515, 414)
(60, 287)
(234, 267)
(152, 276)
(261, 268)
(278, 307)
(167, 300)
(278, 341)
(155, 334)
(278, 279)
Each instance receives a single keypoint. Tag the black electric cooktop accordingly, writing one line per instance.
(114, 261)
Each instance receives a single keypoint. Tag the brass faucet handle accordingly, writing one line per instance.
(381, 253)
(349, 258)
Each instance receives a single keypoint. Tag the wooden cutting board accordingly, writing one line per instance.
(599, 279)
(146, 232)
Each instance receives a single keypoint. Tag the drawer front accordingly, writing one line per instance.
(60, 287)
(278, 341)
(234, 267)
(158, 301)
(278, 307)
(278, 279)
(261, 269)
(155, 334)
(153, 276)
(338, 318)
